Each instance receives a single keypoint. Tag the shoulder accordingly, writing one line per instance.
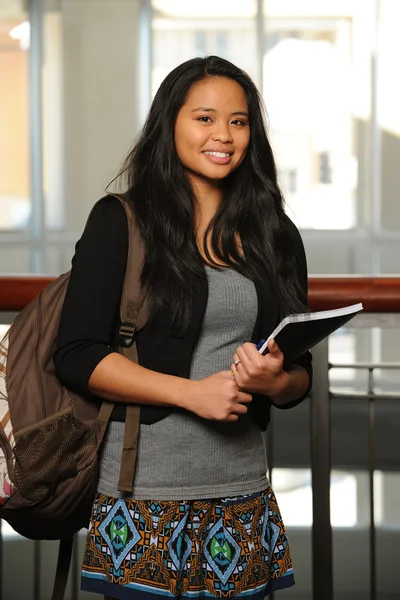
(107, 219)
(105, 235)
(109, 209)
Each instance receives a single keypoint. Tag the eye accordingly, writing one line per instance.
(204, 119)
(239, 122)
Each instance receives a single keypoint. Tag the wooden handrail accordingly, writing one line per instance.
(378, 294)
(16, 291)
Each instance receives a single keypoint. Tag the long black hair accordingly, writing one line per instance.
(252, 204)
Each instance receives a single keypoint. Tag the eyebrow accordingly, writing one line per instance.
(205, 109)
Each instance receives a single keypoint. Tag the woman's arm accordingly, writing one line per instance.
(91, 305)
(119, 379)
(216, 397)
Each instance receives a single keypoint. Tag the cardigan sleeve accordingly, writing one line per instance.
(304, 360)
(91, 306)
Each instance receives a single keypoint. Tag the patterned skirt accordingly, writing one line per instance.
(147, 549)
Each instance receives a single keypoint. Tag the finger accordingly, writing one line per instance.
(250, 349)
(240, 409)
(236, 360)
(248, 354)
(231, 417)
(242, 353)
(273, 347)
(243, 357)
(244, 397)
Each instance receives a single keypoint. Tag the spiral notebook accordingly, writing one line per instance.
(298, 333)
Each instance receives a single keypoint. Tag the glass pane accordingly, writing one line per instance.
(14, 150)
(294, 494)
(342, 350)
(187, 29)
(310, 122)
(389, 116)
(53, 120)
(316, 88)
(387, 489)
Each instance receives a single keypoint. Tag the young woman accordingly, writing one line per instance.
(223, 265)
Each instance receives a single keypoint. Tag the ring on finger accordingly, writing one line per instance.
(233, 374)
(237, 362)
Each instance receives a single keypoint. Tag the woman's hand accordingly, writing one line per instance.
(216, 397)
(260, 374)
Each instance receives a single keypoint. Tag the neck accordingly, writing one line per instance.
(208, 198)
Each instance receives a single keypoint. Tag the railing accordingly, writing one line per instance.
(378, 294)
(381, 300)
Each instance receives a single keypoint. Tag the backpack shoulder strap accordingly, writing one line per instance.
(134, 314)
(63, 565)
(133, 310)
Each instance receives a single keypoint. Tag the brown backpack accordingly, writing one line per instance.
(50, 436)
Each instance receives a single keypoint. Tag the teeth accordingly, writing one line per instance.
(219, 154)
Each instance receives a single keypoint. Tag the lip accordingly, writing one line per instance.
(218, 160)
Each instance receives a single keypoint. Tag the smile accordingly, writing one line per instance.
(218, 154)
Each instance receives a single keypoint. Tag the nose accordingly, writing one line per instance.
(221, 133)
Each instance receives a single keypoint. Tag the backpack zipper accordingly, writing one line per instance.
(37, 365)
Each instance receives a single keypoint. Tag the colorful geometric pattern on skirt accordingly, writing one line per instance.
(235, 547)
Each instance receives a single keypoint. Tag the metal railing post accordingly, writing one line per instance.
(371, 471)
(37, 563)
(322, 567)
(1, 564)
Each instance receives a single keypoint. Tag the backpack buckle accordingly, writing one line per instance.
(126, 334)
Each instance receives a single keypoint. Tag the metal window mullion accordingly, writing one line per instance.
(145, 58)
(260, 36)
(37, 227)
(376, 144)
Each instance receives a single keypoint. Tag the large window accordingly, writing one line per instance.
(307, 67)
(326, 72)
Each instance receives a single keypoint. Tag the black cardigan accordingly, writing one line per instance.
(90, 318)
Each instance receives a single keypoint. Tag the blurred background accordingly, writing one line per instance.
(76, 81)
(77, 78)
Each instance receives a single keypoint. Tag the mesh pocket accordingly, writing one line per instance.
(51, 453)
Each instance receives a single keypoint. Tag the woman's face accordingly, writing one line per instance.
(212, 130)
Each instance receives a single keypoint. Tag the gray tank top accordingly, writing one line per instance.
(185, 457)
